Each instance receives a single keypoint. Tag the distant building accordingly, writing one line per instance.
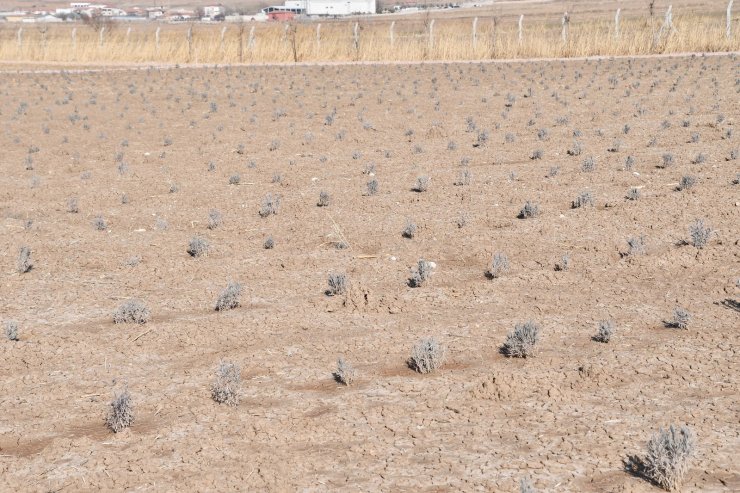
(155, 13)
(112, 12)
(213, 11)
(79, 5)
(333, 7)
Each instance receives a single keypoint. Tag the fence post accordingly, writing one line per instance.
(250, 43)
(43, 40)
(475, 32)
(74, 39)
(521, 19)
(431, 35)
(223, 33)
(728, 30)
(566, 24)
(100, 37)
(393, 36)
(190, 42)
(318, 37)
(616, 23)
(20, 38)
(356, 36)
(156, 38)
(128, 35)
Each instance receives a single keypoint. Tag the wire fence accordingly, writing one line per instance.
(362, 40)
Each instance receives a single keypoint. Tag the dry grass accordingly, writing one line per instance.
(452, 40)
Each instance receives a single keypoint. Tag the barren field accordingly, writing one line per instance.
(108, 176)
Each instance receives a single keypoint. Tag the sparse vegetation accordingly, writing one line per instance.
(336, 127)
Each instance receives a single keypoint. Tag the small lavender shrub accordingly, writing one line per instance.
(270, 205)
(24, 263)
(11, 330)
(323, 200)
(422, 184)
(499, 265)
(131, 312)
(421, 274)
(197, 247)
(214, 219)
(681, 318)
(409, 230)
(564, 263)
(529, 210)
(338, 284)
(345, 373)
(700, 233)
(687, 182)
(121, 412)
(72, 205)
(229, 297)
(427, 355)
(99, 223)
(604, 331)
(521, 341)
(636, 245)
(584, 198)
(226, 385)
(668, 456)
